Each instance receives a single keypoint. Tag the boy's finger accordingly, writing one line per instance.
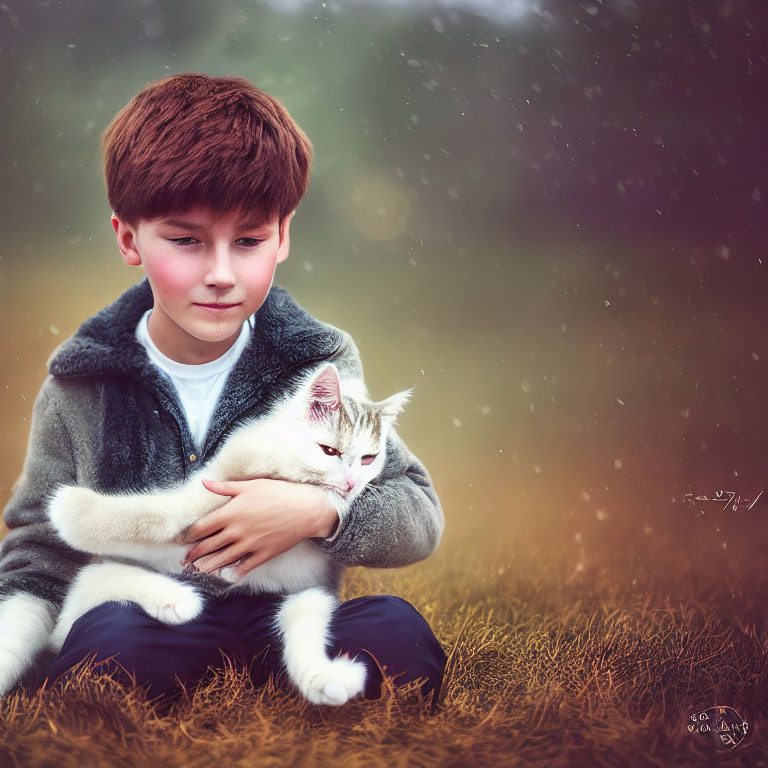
(220, 487)
(202, 529)
(217, 560)
(250, 562)
(206, 546)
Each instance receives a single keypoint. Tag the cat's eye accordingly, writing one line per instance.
(329, 451)
(369, 458)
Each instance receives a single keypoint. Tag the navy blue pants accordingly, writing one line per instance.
(381, 631)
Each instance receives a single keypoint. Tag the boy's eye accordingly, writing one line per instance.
(246, 242)
(369, 458)
(329, 451)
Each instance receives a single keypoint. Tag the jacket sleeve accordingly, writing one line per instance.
(33, 559)
(35, 565)
(397, 519)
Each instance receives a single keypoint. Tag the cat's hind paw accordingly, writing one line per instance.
(335, 683)
(181, 606)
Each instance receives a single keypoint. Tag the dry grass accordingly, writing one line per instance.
(542, 671)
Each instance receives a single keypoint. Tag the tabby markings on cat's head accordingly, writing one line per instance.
(350, 433)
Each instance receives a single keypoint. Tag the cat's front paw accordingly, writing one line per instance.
(229, 574)
(335, 682)
(73, 511)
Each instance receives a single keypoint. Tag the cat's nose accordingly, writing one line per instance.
(351, 482)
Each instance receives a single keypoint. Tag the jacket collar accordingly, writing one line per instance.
(284, 341)
(106, 343)
(284, 336)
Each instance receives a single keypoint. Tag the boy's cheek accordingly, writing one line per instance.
(169, 279)
(257, 288)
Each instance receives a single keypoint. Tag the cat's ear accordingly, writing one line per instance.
(393, 406)
(324, 394)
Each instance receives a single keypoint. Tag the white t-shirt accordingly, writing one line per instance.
(198, 386)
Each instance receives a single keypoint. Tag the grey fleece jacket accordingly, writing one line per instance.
(106, 418)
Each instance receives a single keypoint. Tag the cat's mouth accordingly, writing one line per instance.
(342, 491)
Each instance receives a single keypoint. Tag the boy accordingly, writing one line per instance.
(203, 175)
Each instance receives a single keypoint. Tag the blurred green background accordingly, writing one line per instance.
(548, 217)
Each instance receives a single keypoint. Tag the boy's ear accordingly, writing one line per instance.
(285, 239)
(126, 242)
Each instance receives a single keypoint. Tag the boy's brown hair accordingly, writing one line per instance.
(192, 140)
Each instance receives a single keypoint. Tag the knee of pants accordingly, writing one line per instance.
(392, 631)
(136, 642)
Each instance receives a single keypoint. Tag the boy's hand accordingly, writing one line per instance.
(263, 519)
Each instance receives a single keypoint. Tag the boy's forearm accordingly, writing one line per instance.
(33, 558)
(396, 521)
(327, 518)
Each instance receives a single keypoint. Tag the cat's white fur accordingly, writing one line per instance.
(26, 622)
(146, 527)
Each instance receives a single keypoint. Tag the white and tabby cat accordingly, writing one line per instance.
(320, 436)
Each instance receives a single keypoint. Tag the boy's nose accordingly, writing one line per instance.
(220, 272)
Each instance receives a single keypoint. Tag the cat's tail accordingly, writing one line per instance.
(26, 622)
(303, 621)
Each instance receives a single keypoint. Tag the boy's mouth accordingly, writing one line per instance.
(216, 306)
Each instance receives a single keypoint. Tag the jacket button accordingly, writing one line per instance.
(192, 457)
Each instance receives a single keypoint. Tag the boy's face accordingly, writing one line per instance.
(208, 273)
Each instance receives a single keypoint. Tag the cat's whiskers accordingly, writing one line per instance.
(373, 490)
